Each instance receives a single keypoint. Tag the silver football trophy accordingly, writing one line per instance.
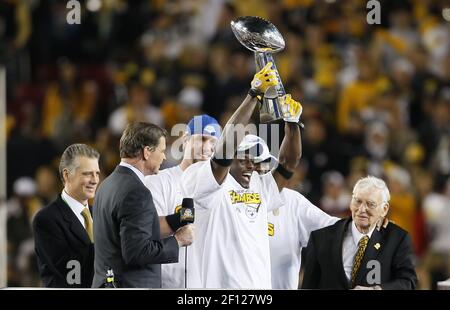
(263, 38)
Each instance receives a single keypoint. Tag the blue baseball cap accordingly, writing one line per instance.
(204, 125)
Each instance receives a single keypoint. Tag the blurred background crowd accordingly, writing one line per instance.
(376, 98)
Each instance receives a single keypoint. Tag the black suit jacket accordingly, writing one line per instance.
(59, 238)
(324, 268)
(127, 233)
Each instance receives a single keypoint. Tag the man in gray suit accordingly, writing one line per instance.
(127, 229)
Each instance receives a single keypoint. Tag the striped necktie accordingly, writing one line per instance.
(362, 245)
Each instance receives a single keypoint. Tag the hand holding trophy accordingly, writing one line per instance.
(263, 80)
(291, 109)
(263, 38)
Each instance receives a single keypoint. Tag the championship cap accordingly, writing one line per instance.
(262, 151)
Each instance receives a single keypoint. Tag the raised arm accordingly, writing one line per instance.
(227, 145)
(291, 147)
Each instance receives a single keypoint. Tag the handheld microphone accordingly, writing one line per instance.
(187, 216)
(187, 211)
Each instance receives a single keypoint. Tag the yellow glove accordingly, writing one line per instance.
(264, 79)
(291, 109)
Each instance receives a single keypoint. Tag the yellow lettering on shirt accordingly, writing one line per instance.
(247, 198)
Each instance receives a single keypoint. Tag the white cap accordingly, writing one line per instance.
(250, 141)
(24, 186)
(190, 97)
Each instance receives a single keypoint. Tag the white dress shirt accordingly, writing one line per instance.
(350, 247)
(135, 170)
(76, 206)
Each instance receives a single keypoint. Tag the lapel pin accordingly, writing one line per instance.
(377, 246)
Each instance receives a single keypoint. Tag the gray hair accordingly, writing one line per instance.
(71, 153)
(373, 182)
(136, 136)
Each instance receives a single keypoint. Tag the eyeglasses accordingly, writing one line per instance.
(358, 202)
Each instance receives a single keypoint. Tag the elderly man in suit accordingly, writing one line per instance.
(130, 238)
(63, 229)
(357, 253)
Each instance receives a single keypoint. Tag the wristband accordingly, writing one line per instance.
(284, 172)
(254, 93)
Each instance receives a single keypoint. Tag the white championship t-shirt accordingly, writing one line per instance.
(289, 229)
(166, 193)
(231, 244)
